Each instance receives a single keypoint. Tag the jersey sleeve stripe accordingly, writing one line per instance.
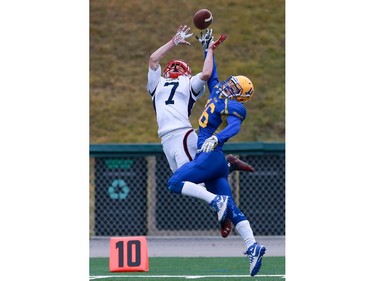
(152, 93)
(186, 145)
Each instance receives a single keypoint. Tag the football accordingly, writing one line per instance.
(203, 18)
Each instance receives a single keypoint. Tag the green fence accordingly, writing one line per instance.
(128, 195)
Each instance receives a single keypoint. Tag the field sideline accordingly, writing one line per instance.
(183, 268)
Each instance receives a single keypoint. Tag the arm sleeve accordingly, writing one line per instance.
(214, 78)
(153, 80)
(232, 129)
(197, 86)
(235, 117)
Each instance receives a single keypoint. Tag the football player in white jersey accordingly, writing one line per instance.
(174, 93)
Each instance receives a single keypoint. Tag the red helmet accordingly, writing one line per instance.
(176, 68)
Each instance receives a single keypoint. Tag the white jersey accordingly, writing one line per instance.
(173, 99)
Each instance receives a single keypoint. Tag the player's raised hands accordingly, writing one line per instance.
(213, 44)
(205, 39)
(181, 35)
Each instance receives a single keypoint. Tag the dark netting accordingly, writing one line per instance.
(128, 196)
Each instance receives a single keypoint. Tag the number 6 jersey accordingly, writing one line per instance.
(173, 99)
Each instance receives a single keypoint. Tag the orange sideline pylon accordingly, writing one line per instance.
(128, 254)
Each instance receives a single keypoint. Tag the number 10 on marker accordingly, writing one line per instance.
(128, 254)
(133, 253)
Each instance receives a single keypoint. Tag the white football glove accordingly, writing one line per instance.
(205, 39)
(209, 144)
(181, 35)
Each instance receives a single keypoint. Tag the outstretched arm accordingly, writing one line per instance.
(178, 38)
(233, 127)
(156, 56)
(209, 45)
(207, 65)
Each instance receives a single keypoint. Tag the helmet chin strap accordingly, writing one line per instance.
(173, 75)
(223, 94)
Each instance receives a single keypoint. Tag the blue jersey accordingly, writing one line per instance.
(218, 111)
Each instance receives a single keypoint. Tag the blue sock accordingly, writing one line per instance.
(234, 214)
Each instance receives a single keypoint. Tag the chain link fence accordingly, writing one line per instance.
(128, 193)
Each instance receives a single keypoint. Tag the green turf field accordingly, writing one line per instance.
(200, 268)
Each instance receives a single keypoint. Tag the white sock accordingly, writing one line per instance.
(197, 191)
(244, 229)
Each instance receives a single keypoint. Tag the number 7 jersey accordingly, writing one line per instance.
(173, 99)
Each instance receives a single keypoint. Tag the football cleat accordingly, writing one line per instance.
(225, 228)
(255, 254)
(236, 164)
(219, 205)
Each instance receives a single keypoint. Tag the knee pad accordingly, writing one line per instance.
(175, 187)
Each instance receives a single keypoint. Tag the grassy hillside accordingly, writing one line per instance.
(123, 34)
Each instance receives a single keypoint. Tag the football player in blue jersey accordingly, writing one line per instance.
(174, 93)
(224, 107)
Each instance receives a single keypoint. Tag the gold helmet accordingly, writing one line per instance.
(239, 88)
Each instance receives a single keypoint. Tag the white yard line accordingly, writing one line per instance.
(181, 276)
